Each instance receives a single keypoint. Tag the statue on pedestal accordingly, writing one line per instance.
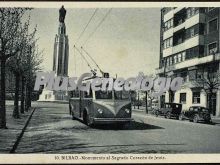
(62, 12)
(60, 61)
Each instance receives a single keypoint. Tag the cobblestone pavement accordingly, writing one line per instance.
(51, 130)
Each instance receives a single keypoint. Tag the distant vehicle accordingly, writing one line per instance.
(155, 105)
(101, 107)
(137, 103)
(170, 110)
(196, 114)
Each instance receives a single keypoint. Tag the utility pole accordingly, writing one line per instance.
(146, 102)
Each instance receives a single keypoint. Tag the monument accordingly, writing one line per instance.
(60, 60)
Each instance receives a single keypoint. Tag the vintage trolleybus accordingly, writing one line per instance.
(101, 107)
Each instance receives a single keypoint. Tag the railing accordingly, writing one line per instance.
(189, 63)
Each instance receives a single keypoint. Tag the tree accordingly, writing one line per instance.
(209, 81)
(10, 23)
(18, 65)
(33, 64)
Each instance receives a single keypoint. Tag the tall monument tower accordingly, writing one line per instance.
(60, 60)
(61, 47)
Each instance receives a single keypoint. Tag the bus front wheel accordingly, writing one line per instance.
(70, 110)
(86, 118)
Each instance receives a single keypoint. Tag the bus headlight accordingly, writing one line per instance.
(100, 111)
(127, 110)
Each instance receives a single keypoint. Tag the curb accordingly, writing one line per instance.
(22, 132)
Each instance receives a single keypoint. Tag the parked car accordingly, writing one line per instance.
(196, 114)
(170, 110)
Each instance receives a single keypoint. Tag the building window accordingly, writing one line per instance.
(191, 11)
(196, 98)
(179, 17)
(168, 24)
(168, 42)
(175, 59)
(179, 37)
(179, 57)
(180, 40)
(199, 74)
(184, 76)
(192, 32)
(188, 13)
(195, 30)
(183, 98)
(192, 52)
(192, 75)
(168, 62)
(212, 48)
(196, 51)
(171, 60)
(183, 56)
(210, 8)
(213, 25)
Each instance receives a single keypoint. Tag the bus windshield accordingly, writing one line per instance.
(121, 95)
(103, 94)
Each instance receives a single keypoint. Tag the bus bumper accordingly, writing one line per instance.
(111, 120)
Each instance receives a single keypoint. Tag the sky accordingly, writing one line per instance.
(126, 43)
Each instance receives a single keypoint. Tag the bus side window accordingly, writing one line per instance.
(75, 93)
(88, 95)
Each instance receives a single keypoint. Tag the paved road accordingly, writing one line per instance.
(51, 130)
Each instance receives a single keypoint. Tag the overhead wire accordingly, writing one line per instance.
(103, 19)
(81, 34)
(83, 57)
(91, 34)
(92, 60)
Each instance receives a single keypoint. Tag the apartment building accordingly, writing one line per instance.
(190, 48)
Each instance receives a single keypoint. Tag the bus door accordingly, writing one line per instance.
(86, 102)
(75, 102)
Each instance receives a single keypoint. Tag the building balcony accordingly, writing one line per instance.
(167, 51)
(189, 63)
(189, 43)
(176, 10)
(190, 84)
(194, 41)
(179, 48)
(168, 16)
(159, 70)
(168, 33)
(179, 27)
(197, 18)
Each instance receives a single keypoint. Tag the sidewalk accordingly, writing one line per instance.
(142, 110)
(8, 136)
